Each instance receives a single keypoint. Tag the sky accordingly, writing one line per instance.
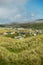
(20, 10)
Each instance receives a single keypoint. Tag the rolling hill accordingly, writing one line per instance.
(38, 24)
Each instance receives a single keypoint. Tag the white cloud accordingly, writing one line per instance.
(18, 16)
(12, 1)
(4, 12)
(12, 9)
(32, 15)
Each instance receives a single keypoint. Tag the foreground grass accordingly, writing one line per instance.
(28, 51)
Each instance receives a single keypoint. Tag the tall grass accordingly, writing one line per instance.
(28, 51)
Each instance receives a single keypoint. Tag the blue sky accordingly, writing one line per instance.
(20, 10)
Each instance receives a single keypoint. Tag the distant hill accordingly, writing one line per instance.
(35, 24)
(38, 21)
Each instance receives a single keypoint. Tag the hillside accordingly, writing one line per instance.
(28, 51)
(37, 24)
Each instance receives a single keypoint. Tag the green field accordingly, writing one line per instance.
(27, 51)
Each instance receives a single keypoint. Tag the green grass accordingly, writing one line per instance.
(28, 51)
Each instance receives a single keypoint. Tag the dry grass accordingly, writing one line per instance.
(28, 51)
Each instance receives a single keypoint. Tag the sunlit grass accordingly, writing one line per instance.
(27, 51)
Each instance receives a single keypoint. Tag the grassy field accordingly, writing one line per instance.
(27, 51)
